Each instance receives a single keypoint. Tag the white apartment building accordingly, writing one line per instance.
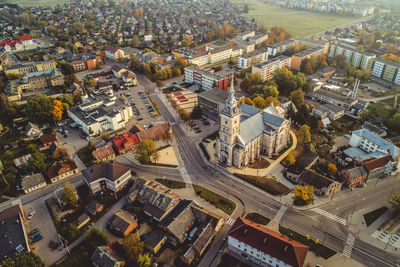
(356, 58)
(280, 47)
(378, 68)
(267, 68)
(200, 59)
(248, 60)
(100, 113)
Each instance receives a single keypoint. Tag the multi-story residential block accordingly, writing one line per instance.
(298, 58)
(386, 70)
(264, 247)
(21, 69)
(267, 68)
(208, 79)
(331, 111)
(248, 60)
(101, 113)
(279, 48)
(85, 61)
(248, 132)
(42, 79)
(213, 55)
(356, 58)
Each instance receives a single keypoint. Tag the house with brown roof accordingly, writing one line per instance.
(323, 186)
(129, 78)
(122, 223)
(156, 240)
(33, 182)
(103, 154)
(107, 176)
(154, 132)
(264, 247)
(105, 256)
(93, 208)
(47, 140)
(379, 167)
(62, 170)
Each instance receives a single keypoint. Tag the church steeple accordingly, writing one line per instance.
(231, 108)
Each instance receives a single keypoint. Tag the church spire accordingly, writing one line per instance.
(231, 108)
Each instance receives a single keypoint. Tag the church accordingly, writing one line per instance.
(247, 132)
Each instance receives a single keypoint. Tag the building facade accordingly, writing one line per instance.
(248, 132)
(298, 58)
(356, 58)
(248, 60)
(208, 79)
(267, 68)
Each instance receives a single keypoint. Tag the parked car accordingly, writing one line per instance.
(31, 215)
(139, 118)
(37, 238)
(195, 127)
(34, 231)
(197, 131)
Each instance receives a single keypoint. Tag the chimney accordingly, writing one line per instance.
(265, 240)
(245, 231)
(285, 248)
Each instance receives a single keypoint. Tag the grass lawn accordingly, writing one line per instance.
(257, 218)
(259, 164)
(371, 217)
(171, 89)
(25, 3)
(171, 183)
(311, 22)
(224, 204)
(80, 256)
(267, 184)
(318, 249)
(85, 154)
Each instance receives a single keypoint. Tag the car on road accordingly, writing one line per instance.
(205, 123)
(195, 127)
(31, 215)
(347, 136)
(139, 118)
(197, 131)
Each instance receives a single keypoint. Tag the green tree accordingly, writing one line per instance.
(70, 195)
(24, 259)
(297, 97)
(133, 246)
(144, 261)
(145, 151)
(37, 162)
(38, 109)
(270, 90)
(304, 134)
(96, 237)
(32, 148)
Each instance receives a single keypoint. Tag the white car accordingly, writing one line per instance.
(31, 215)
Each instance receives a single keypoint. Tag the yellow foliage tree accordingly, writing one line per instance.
(303, 194)
(57, 110)
(259, 102)
(271, 99)
(332, 169)
(290, 159)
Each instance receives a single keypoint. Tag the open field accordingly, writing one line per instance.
(297, 22)
(24, 3)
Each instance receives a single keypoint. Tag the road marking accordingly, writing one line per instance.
(185, 175)
(280, 213)
(348, 248)
(330, 216)
(230, 221)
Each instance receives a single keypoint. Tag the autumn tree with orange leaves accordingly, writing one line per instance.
(58, 108)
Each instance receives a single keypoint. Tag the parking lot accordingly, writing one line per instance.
(43, 221)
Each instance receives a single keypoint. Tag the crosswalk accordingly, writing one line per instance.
(230, 221)
(280, 213)
(348, 248)
(185, 175)
(330, 216)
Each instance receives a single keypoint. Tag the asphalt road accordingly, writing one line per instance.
(305, 222)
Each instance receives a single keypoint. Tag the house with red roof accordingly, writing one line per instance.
(124, 143)
(11, 44)
(264, 247)
(26, 40)
(62, 170)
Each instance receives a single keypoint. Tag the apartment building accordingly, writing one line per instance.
(279, 48)
(313, 43)
(208, 79)
(248, 60)
(356, 58)
(386, 70)
(85, 61)
(267, 68)
(20, 69)
(114, 53)
(264, 247)
(215, 54)
(298, 58)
